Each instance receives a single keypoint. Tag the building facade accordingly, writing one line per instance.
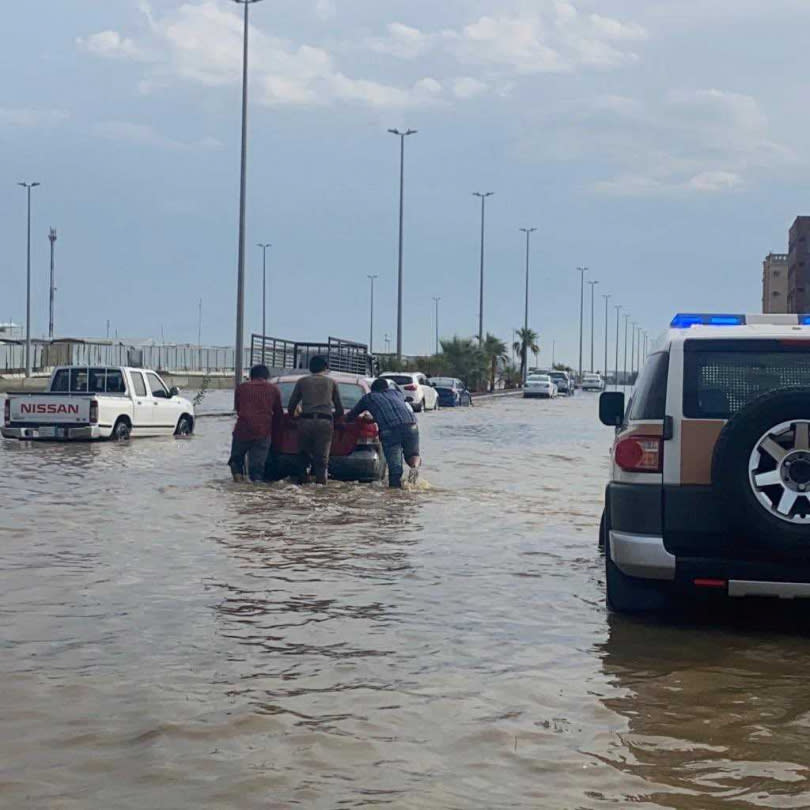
(775, 283)
(798, 296)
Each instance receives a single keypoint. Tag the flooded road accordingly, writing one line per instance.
(172, 640)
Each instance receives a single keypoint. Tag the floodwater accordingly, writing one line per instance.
(172, 640)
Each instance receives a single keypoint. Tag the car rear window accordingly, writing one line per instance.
(401, 379)
(720, 378)
(650, 397)
(350, 393)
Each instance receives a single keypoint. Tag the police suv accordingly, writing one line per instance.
(710, 482)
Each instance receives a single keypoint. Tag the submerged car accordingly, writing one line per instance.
(452, 392)
(356, 450)
(564, 383)
(416, 388)
(539, 385)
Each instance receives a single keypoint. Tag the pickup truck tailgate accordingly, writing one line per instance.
(48, 409)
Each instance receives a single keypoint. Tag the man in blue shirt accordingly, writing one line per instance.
(399, 432)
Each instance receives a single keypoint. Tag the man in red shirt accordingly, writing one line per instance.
(259, 412)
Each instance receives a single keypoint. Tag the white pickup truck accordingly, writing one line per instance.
(88, 402)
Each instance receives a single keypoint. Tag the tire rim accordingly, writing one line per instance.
(779, 471)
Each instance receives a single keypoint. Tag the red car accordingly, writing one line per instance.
(357, 454)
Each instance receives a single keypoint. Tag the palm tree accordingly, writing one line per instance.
(463, 359)
(527, 342)
(495, 352)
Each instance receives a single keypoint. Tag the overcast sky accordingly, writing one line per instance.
(662, 144)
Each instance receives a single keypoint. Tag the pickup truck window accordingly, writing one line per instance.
(78, 380)
(138, 383)
(98, 380)
(61, 381)
(156, 386)
(115, 381)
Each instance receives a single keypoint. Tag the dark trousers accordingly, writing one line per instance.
(314, 446)
(397, 442)
(256, 451)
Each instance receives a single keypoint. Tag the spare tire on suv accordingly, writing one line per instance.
(761, 472)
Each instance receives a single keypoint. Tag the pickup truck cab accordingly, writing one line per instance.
(88, 402)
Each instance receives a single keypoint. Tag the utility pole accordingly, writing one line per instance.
(582, 271)
(618, 309)
(525, 346)
(626, 327)
(436, 302)
(593, 287)
(483, 196)
(633, 348)
(240, 272)
(28, 187)
(605, 368)
(51, 239)
(387, 343)
(371, 320)
(264, 246)
(401, 136)
(553, 353)
(199, 324)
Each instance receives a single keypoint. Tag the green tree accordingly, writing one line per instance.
(463, 359)
(512, 376)
(495, 352)
(527, 342)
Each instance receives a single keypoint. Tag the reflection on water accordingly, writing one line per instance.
(173, 640)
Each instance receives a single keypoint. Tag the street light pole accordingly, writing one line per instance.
(525, 347)
(28, 187)
(436, 301)
(618, 309)
(51, 239)
(582, 271)
(605, 368)
(633, 348)
(626, 326)
(371, 324)
(264, 246)
(402, 136)
(593, 287)
(240, 273)
(483, 196)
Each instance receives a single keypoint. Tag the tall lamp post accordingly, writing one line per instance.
(633, 348)
(593, 287)
(582, 271)
(618, 309)
(264, 246)
(371, 278)
(483, 196)
(436, 302)
(240, 273)
(28, 187)
(525, 348)
(401, 136)
(626, 327)
(605, 368)
(52, 240)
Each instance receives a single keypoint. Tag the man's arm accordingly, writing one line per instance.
(358, 409)
(336, 401)
(295, 398)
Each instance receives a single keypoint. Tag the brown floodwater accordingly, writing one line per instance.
(171, 640)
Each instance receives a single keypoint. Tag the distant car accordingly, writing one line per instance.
(592, 382)
(451, 391)
(539, 385)
(356, 450)
(391, 385)
(564, 383)
(416, 388)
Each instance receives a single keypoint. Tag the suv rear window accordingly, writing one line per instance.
(720, 378)
(650, 397)
(401, 379)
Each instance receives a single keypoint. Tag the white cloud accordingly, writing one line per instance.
(468, 87)
(110, 44)
(147, 135)
(28, 117)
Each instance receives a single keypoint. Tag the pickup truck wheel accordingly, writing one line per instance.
(185, 427)
(121, 432)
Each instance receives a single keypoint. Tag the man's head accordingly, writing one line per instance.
(379, 386)
(260, 373)
(318, 364)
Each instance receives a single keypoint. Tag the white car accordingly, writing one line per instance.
(416, 388)
(89, 402)
(539, 385)
(592, 382)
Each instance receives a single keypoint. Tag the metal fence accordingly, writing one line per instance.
(45, 356)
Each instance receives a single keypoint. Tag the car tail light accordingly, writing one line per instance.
(7, 412)
(410, 387)
(639, 453)
(93, 412)
(368, 433)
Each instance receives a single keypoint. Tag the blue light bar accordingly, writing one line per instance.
(804, 320)
(683, 320)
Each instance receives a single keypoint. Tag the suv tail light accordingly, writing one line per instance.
(639, 454)
(94, 412)
(410, 387)
(7, 412)
(368, 433)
